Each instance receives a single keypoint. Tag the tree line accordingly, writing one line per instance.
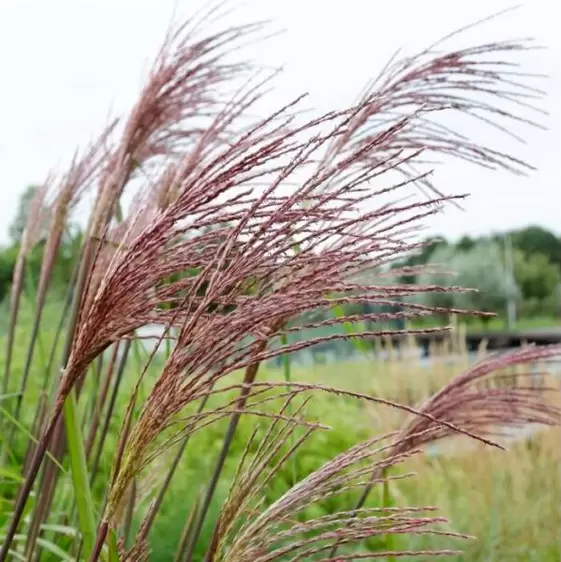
(522, 266)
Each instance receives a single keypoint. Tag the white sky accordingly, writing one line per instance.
(66, 64)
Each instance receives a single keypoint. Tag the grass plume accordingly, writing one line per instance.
(242, 231)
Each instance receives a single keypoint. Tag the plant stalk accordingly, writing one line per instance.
(35, 465)
(249, 378)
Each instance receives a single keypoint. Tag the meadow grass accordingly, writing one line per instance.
(498, 324)
(510, 501)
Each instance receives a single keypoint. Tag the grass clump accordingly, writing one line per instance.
(246, 239)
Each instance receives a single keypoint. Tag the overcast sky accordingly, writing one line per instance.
(66, 64)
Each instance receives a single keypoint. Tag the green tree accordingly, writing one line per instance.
(480, 268)
(8, 258)
(537, 240)
(466, 243)
(67, 255)
(536, 276)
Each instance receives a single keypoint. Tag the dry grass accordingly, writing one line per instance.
(509, 500)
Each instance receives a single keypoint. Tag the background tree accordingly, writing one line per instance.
(466, 243)
(67, 255)
(536, 276)
(422, 257)
(537, 240)
(539, 281)
(480, 268)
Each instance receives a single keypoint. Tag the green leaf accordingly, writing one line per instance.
(8, 396)
(44, 543)
(80, 479)
(113, 551)
(54, 549)
(6, 473)
(30, 436)
(60, 529)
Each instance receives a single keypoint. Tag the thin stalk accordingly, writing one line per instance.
(104, 526)
(28, 434)
(102, 397)
(36, 428)
(17, 289)
(387, 502)
(34, 339)
(27, 485)
(123, 436)
(187, 532)
(30, 287)
(47, 485)
(111, 407)
(35, 465)
(250, 374)
(127, 526)
(59, 442)
(42, 412)
(94, 396)
(286, 369)
(100, 539)
(249, 378)
(49, 475)
(64, 313)
(149, 520)
(90, 397)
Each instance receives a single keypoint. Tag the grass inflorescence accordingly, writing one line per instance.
(244, 239)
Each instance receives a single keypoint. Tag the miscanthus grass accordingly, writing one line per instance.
(240, 231)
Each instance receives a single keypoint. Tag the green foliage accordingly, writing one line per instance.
(8, 257)
(480, 268)
(537, 240)
(537, 277)
(480, 264)
(62, 269)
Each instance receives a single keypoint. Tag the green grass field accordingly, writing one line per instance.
(511, 502)
(499, 324)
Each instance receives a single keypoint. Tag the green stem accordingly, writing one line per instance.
(79, 471)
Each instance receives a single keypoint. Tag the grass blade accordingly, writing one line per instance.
(31, 437)
(113, 552)
(79, 472)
